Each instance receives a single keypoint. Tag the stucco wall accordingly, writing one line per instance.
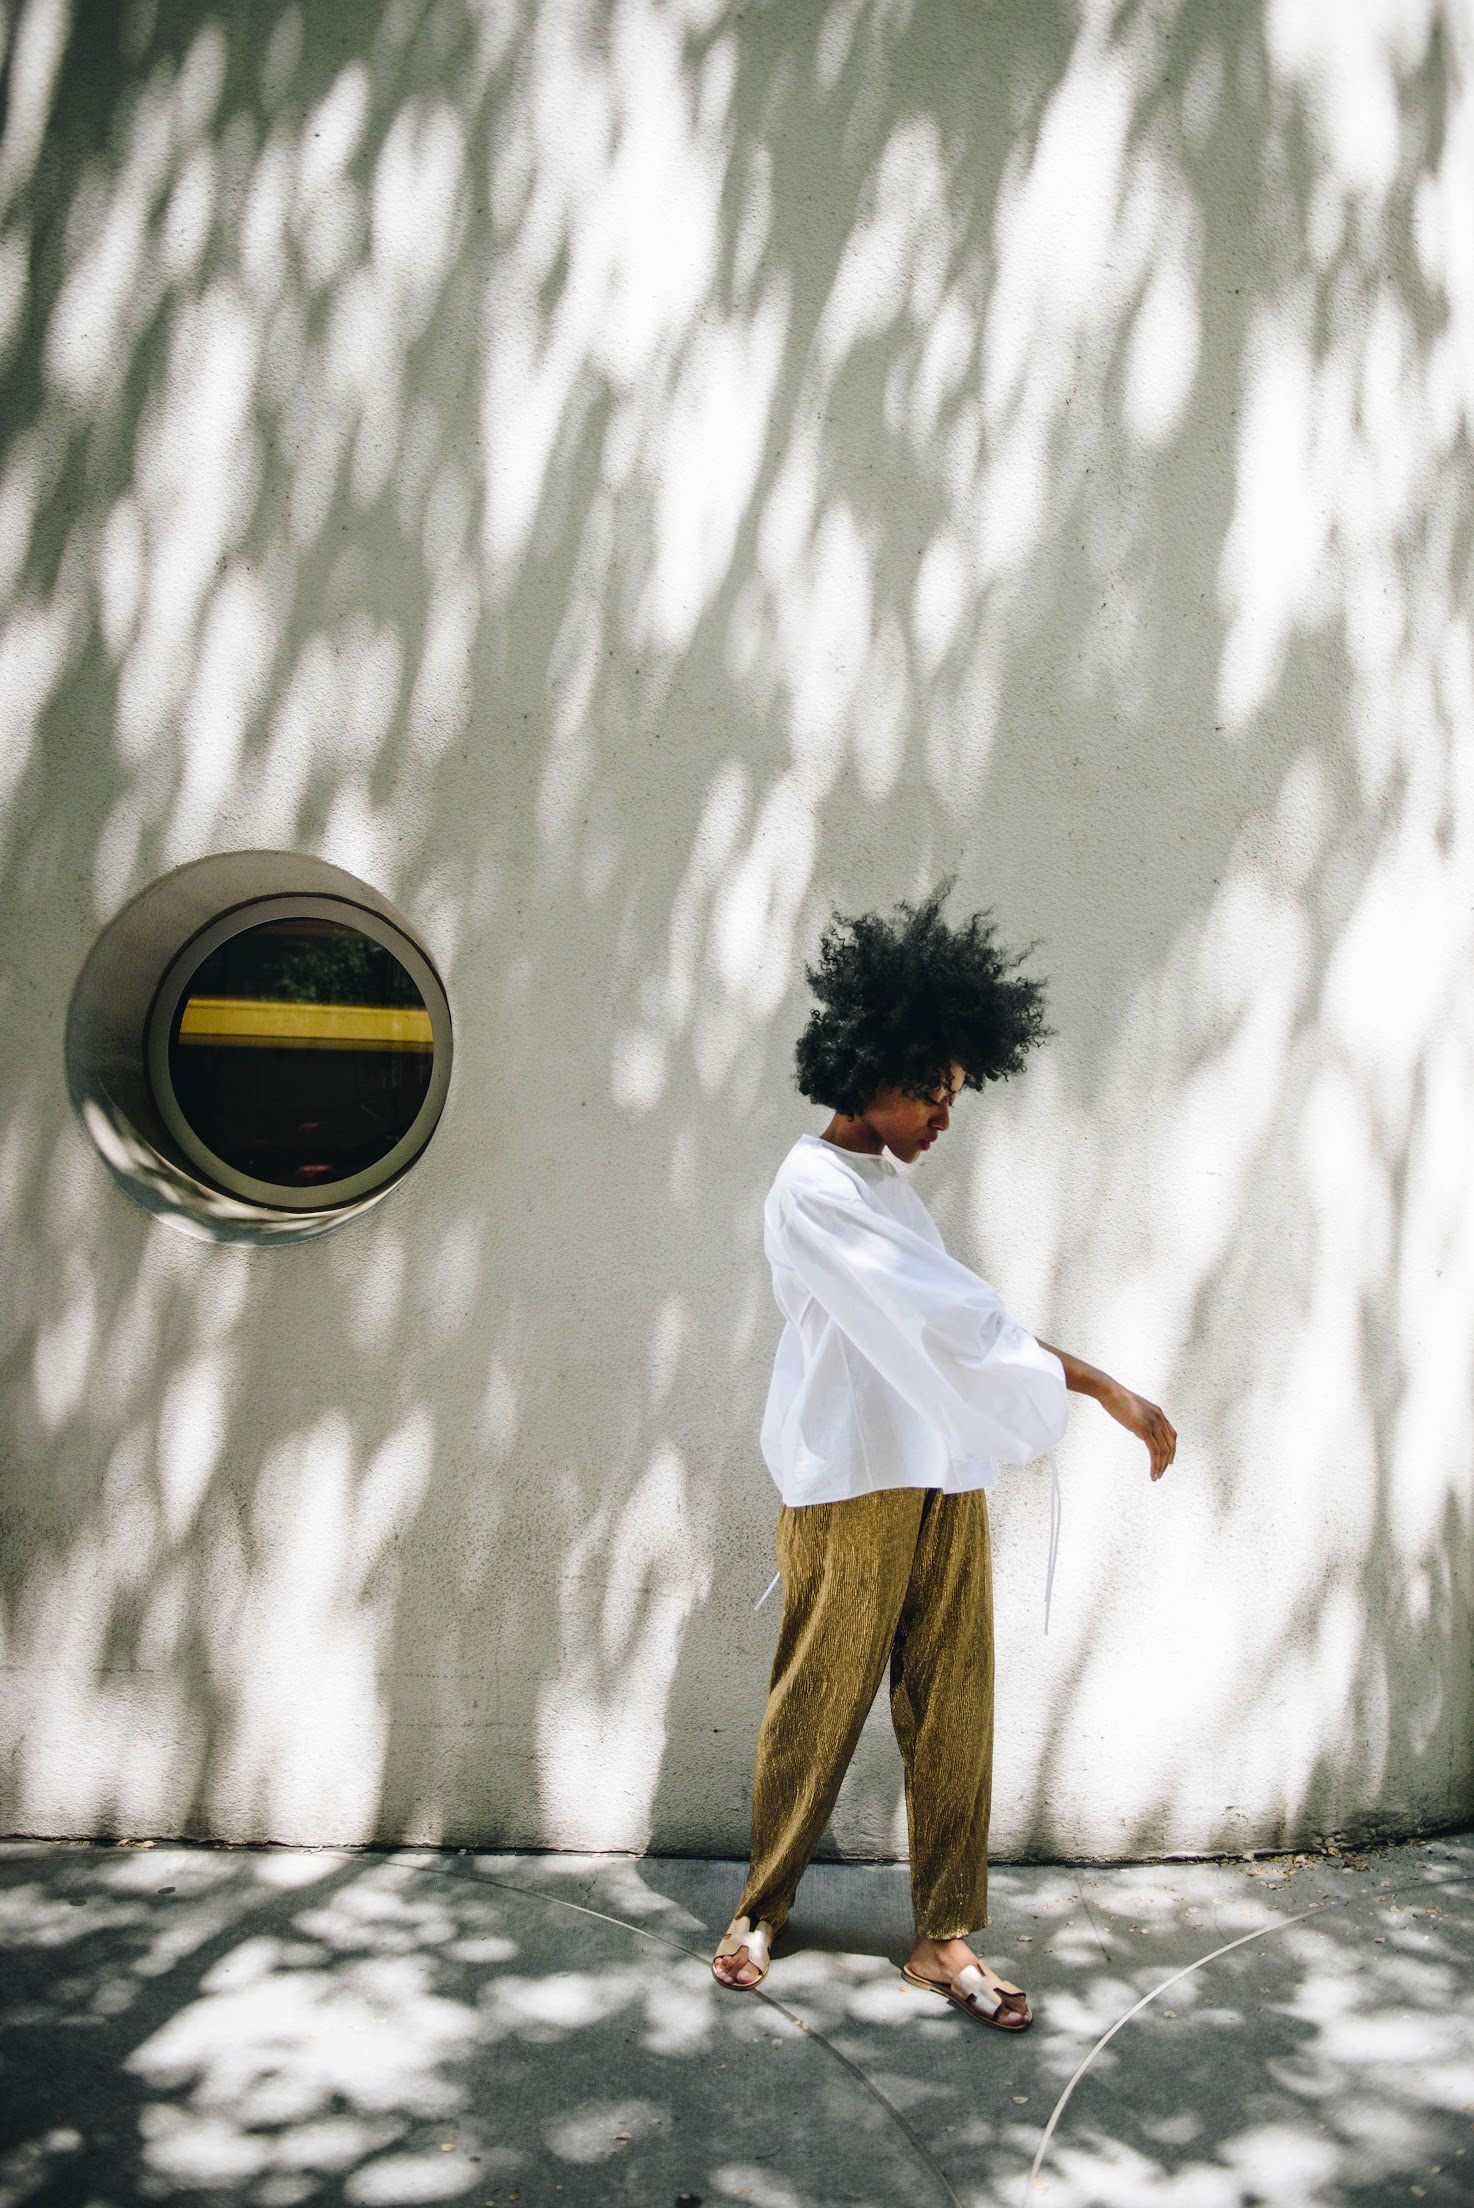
(625, 480)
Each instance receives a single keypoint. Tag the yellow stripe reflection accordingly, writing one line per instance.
(248, 1021)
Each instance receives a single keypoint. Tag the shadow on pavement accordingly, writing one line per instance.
(279, 2026)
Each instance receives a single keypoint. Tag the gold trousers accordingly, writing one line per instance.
(904, 1574)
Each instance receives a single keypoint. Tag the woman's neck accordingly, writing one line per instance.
(853, 1134)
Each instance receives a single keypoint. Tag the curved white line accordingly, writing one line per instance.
(1280, 1924)
(647, 1932)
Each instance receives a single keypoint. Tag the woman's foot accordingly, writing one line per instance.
(993, 2000)
(742, 1958)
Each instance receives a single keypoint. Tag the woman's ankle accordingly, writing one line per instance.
(762, 1913)
(940, 1944)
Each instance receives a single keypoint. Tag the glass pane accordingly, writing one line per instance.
(300, 1052)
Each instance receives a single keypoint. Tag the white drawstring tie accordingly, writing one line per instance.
(1056, 1520)
(772, 1583)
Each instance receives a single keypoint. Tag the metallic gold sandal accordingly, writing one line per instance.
(1003, 2006)
(758, 1941)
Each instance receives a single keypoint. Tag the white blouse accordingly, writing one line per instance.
(898, 1367)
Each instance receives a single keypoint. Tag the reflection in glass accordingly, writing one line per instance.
(300, 1052)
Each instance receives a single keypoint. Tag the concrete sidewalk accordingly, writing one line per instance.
(278, 2026)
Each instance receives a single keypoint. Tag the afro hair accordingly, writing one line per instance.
(901, 1001)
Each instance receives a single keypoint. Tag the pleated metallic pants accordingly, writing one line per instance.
(904, 1575)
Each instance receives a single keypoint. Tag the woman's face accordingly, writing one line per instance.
(908, 1125)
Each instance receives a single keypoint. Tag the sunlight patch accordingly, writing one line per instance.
(589, 2136)
(630, 1581)
(410, 2178)
(1163, 357)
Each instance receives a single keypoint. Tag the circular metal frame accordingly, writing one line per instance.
(333, 1195)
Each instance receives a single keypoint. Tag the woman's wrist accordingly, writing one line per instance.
(1101, 1386)
(1147, 1420)
(1111, 1395)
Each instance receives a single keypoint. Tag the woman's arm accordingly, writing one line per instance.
(931, 1328)
(1131, 1411)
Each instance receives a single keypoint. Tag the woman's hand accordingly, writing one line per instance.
(1146, 1420)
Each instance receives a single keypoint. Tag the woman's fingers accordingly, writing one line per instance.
(1150, 1422)
(1162, 1442)
(1159, 1435)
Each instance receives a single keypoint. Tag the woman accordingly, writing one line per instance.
(899, 1386)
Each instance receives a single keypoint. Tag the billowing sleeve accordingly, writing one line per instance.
(931, 1327)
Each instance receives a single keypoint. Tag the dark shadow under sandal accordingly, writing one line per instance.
(1004, 2007)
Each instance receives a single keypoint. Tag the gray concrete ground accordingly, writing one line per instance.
(276, 2026)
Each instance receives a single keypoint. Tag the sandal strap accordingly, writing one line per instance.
(973, 1990)
(757, 1939)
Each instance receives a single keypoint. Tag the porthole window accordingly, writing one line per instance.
(291, 1052)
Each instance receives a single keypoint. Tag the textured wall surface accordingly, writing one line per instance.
(625, 479)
